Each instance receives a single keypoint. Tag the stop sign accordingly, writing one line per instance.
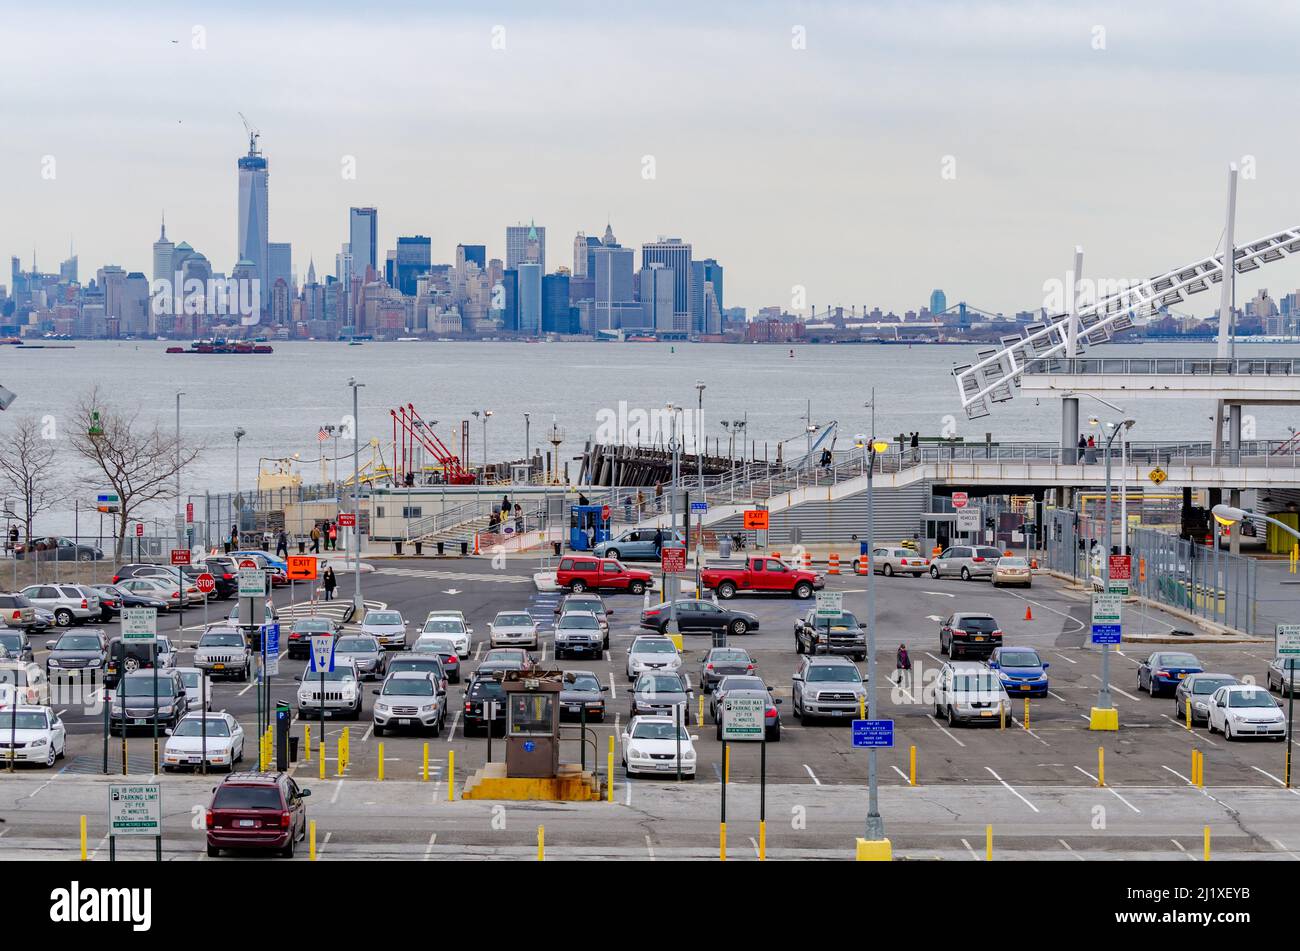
(959, 500)
(205, 583)
(139, 529)
(248, 563)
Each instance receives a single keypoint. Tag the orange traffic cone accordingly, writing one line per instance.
(1029, 613)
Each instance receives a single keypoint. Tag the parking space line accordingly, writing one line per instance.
(1070, 850)
(433, 837)
(900, 773)
(1109, 790)
(1180, 848)
(321, 848)
(815, 780)
(936, 722)
(1176, 773)
(1119, 691)
(1277, 780)
(1032, 733)
(1278, 844)
(1066, 657)
(613, 689)
(1048, 607)
(973, 856)
(454, 723)
(1052, 693)
(649, 847)
(338, 788)
(369, 730)
(1178, 725)
(1011, 789)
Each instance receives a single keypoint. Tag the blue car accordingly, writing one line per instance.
(635, 544)
(1022, 672)
(263, 557)
(1163, 671)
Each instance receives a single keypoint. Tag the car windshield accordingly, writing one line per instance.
(246, 797)
(443, 626)
(1288, 663)
(731, 656)
(1011, 562)
(222, 639)
(1203, 685)
(11, 642)
(975, 682)
(143, 686)
(835, 673)
(24, 721)
(505, 653)
(581, 682)
(659, 683)
(383, 617)
(408, 663)
(341, 672)
(434, 644)
(193, 726)
(742, 683)
(191, 678)
(1019, 659)
(409, 686)
(1177, 660)
(514, 620)
(582, 622)
(1250, 698)
(657, 731)
(988, 553)
(356, 645)
(77, 642)
(480, 689)
(654, 647)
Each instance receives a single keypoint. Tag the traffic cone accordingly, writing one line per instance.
(1029, 613)
(833, 567)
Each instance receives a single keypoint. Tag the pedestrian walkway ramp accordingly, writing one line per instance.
(571, 785)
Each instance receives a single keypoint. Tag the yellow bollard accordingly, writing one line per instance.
(322, 758)
(311, 831)
(609, 772)
(988, 843)
(862, 708)
(1189, 714)
(762, 840)
(700, 719)
(726, 766)
(306, 739)
(1002, 717)
(1026, 713)
(83, 838)
(381, 762)
(1207, 843)
(425, 774)
(541, 843)
(722, 841)
(451, 773)
(911, 777)
(1101, 766)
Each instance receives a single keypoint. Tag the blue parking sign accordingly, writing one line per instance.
(271, 637)
(873, 734)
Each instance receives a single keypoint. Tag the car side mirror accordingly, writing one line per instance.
(625, 736)
(695, 738)
(304, 792)
(168, 731)
(375, 692)
(1045, 666)
(993, 665)
(604, 688)
(49, 645)
(297, 680)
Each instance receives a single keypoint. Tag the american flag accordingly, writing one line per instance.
(322, 435)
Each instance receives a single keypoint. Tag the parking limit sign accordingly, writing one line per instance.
(673, 560)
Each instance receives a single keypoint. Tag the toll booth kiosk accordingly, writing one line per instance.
(588, 526)
(533, 723)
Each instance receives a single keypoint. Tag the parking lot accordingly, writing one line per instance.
(1037, 783)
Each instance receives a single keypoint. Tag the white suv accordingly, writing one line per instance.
(450, 624)
(342, 694)
(970, 693)
(71, 604)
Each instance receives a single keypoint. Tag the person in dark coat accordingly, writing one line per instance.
(659, 542)
(904, 665)
(916, 446)
(282, 544)
(329, 582)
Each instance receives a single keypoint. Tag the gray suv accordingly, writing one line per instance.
(224, 652)
(77, 650)
(966, 562)
(827, 686)
(71, 604)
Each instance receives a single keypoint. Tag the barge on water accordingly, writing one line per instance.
(223, 346)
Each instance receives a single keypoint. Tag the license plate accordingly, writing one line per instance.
(138, 721)
(1181, 676)
(247, 823)
(837, 713)
(575, 708)
(403, 722)
(218, 666)
(979, 638)
(196, 759)
(1025, 687)
(665, 766)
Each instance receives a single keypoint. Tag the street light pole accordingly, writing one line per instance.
(699, 475)
(875, 823)
(1103, 692)
(180, 531)
(528, 447)
(358, 605)
(240, 433)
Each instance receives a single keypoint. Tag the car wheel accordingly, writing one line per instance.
(726, 590)
(803, 591)
(1178, 710)
(638, 587)
(63, 617)
(943, 646)
(774, 735)
(437, 728)
(934, 572)
(288, 850)
(213, 852)
(577, 587)
(952, 716)
(965, 573)
(739, 627)
(50, 757)
(611, 553)
(805, 717)
(888, 570)
(1227, 730)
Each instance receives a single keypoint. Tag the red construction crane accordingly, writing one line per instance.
(410, 430)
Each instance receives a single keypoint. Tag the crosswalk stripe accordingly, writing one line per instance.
(451, 575)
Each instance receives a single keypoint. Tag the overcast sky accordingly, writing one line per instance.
(819, 167)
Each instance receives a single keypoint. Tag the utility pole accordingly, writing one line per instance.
(358, 605)
(875, 830)
(699, 475)
(180, 526)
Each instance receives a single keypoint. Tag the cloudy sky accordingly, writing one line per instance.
(801, 144)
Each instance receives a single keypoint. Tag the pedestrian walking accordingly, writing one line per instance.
(282, 544)
(333, 534)
(627, 508)
(659, 542)
(903, 675)
(315, 539)
(519, 518)
(329, 582)
(659, 496)
(640, 504)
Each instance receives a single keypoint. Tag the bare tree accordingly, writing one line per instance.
(140, 463)
(28, 474)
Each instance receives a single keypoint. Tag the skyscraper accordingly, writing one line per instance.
(676, 254)
(252, 240)
(414, 256)
(657, 297)
(703, 274)
(938, 301)
(614, 298)
(281, 266)
(530, 298)
(523, 241)
(162, 255)
(580, 255)
(471, 252)
(556, 313)
(363, 235)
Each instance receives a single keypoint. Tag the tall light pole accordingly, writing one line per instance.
(240, 433)
(180, 526)
(528, 446)
(699, 475)
(875, 824)
(674, 446)
(1103, 692)
(358, 605)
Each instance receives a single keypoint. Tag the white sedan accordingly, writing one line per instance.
(453, 627)
(513, 629)
(1242, 710)
(185, 743)
(31, 734)
(387, 627)
(650, 745)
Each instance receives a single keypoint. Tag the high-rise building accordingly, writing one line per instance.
(703, 274)
(363, 236)
(614, 294)
(525, 243)
(162, 255)
(657, 286)
(676, 254)
(557, 317)
(471, 252)
(530, 298)
(938, 301)
(580, 255)
(252, 240)
(414, 255)
(280, 254)
(510, 293)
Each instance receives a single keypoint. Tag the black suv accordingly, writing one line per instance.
(969, 633)
(134, 706)
(477, 694)
(225, 572)
(841, 634)
(14, 642)
(126, 657)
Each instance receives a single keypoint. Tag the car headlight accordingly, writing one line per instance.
(41, 742)
(428, 708)
(635, 753)
(381, 707)
(688, 756)
(54, 662)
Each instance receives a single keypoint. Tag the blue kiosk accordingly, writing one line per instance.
(588, 526)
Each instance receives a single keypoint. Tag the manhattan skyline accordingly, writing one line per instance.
(757, 156)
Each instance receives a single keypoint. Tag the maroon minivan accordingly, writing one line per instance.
(257, 811)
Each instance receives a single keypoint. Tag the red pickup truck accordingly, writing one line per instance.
(581, 572)
(760, 574)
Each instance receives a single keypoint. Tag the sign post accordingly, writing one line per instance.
(744, 720)
(322, 662)
(134, 809)
(1287, 644)
(180, 558)
(830, 604)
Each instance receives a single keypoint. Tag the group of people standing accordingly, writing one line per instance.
(502, 515)
(326, 531)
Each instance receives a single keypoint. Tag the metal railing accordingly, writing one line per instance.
(1173, 366)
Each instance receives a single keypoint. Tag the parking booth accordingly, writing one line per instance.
(532, 723)
(588, 526)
